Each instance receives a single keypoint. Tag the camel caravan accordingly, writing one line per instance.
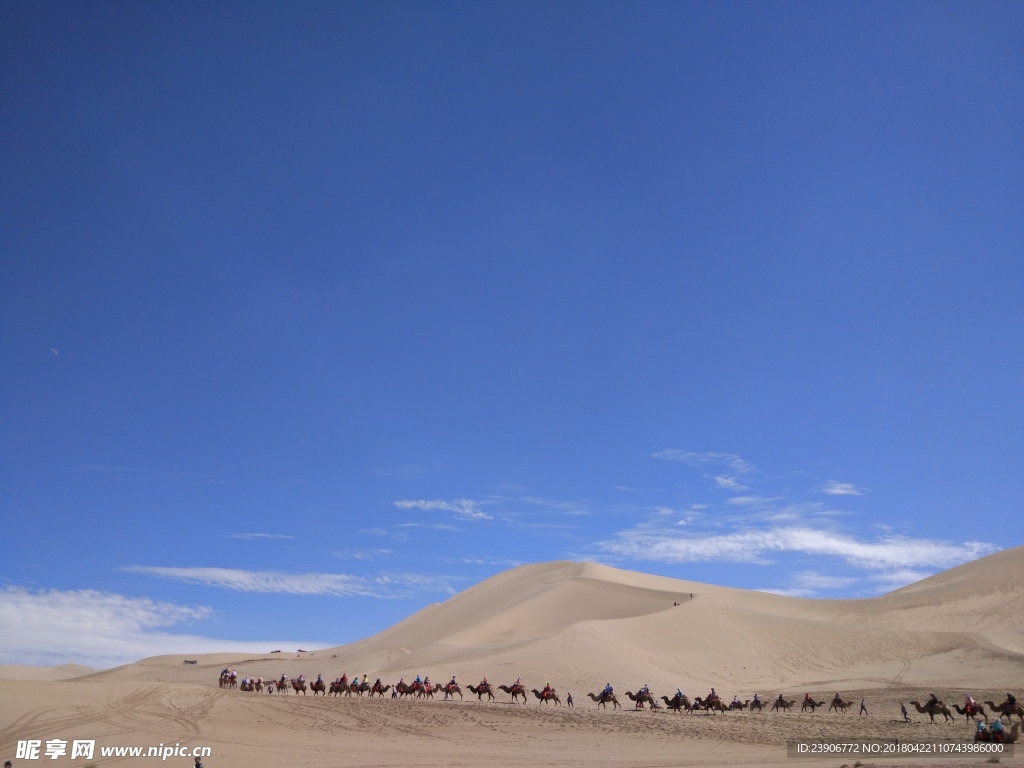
(713, 703)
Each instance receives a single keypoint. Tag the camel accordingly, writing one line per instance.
(481, 689)
(812, 704)
(678, 703)
(640, 699)
(359, 690)
(335, 688)
(407, 689)
(757, 704)
(709, 705)
(259, 685)
(515, 690)
(380, 689)
(297, 686)
(838, 704)
(225, 681)
(424, 691)
(974, 712)
(318, 687)
(602, 700)
(450, 689)
(739, 704)
(1008, 737)
(783, 705)
(1004, 710)
(283, 684)
(933, 710)
(546, 697)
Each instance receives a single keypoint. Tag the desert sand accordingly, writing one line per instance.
(579, 626)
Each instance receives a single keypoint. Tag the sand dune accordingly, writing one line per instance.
(578, 625)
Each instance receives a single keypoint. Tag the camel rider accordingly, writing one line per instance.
(969, 705)
(319, 678)
(452, 683)
(807, 696)
(401, 683)
(547, 688)
(1011, 700)
(997, 729)
(933, 700)
(518, 683)
(645, 690)
(735, 700)
(302, 678)
(376, 684)
(713, 696)
(607, 690)
(426, 682)
(418, 681)
(757, 698)
(780, 699)
(483, 683)
(679, 694)
(980, 729)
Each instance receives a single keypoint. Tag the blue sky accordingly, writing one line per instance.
(335, 310)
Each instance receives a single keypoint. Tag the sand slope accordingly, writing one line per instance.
(580, 625)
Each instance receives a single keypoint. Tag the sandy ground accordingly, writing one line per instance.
(577, 625)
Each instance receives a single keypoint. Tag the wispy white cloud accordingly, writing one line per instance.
(813, 580)
(275, 582)
(464, 509)
(754, 546)
(363, 554)
(100, 629)
(896, 579)
(730, 460)
(788, 592)
(730, 483)
(833, 488)
(258, 536)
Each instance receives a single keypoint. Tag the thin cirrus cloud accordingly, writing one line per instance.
(833, 488)
(258, 536)
(463, 509)
(730, 483)
(275, 582)
(889, 553)
(102, 629)
(730, 460)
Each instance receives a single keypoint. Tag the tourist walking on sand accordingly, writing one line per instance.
(863, 709)
(906, 715)
(199, 763)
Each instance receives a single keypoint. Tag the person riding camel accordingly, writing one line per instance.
(807, 696)
(780, 699)
(933, 700)
(302, 678)
(679, 694)
(518, 684)
(645, 690)
(1011, 700)
(608, 690)
(427, 685)
(376, 684)
(969, 706)
(712, 696)
(547, 689)
(735, 700)
(452, 683)
(319, 678)
(417, 681)
(483, 683)
(997, 730)
(757, 698)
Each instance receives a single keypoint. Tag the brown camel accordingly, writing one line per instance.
(678, 703)
(935, 709)
(741, 705)
(358, 690)
(640, 699)
(1005, 711)
(546, 697)
(838, 704)
(259, 685)
(602, 700)
(481, 689)
(297, 686)
(425, 691)
(406, 689)
(450, 689)
(380, 689)
(318, 687)
(709, 705)
(757, 704)
(811, 704)
(515, 690)
(970, 712)
(783, 704)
